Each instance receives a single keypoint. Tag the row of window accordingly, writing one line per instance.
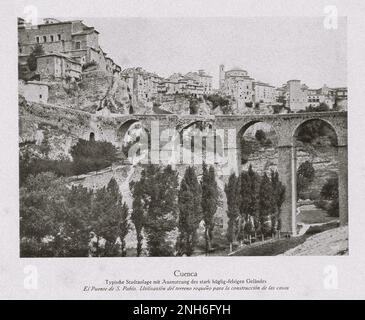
(50, 38)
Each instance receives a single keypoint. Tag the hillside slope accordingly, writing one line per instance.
(332, 242)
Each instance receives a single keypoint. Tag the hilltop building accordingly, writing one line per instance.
(237, 84)
(264, 93)
(298, 96)
(203, 79)
(73, 40)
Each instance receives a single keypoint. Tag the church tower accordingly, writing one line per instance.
(221, 76)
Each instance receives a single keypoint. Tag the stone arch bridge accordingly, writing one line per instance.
(286, 126)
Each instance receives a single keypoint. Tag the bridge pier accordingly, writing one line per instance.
(287, 175)
(342, 184)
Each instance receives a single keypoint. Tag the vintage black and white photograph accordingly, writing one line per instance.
(182, 137)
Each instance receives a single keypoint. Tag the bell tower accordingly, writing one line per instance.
(221, 76)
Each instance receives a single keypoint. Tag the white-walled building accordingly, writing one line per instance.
(34, 91)
(203, 79)
(264, 93)
(237, 84)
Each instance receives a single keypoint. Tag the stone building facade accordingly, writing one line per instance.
(264, 93)
(73, 39)
(55, 66)
(298, 96)
(237, 84)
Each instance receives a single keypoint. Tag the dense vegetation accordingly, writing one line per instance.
(59, 221)
(311, 130)
(218, 101)
(32, 58)
(254, 204)
(305, 176)
(329, 197)
(87, 156)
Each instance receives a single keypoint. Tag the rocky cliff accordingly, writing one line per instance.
(96, 90)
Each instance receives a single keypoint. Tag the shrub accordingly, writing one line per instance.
(217, 100)
(260, 136)
(305, 176)
(92, 155)
(87, 156)
(89, 64)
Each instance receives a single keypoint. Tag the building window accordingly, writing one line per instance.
(37, 39)
(78, 45)
(59, 37)
(40, 96)
(52, 38)
(44, 39)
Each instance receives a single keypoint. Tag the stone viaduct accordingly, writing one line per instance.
(114, 127)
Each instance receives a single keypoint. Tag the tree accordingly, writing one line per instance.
(305, 176)
(137, 215)
(32, 59)
(247, 148)
(156, 197)
(322, 107)
(209, 203)
(54, 220)
(313, 129)
(92, 155)
(260, 136)
(232, 190)
(330, 193)
(121, 215)
(279, 195)
(109, 220)
(267, 204)
(254, 185)
(190, 211)
(249, 181)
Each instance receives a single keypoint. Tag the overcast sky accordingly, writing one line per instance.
(271, 49)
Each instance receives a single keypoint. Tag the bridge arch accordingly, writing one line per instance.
(139, 141)
(304, 122)
(267, 126)
(198, 142)
(335, 148)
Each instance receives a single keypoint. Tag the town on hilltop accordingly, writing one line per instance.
(68, 53)
(118, 161)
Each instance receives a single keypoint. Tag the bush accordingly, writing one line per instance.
(311, 130)
(260, 136)
(35, 166)
(247, 148)
(217, 100)
(89, 64)
(92, 155)
(330, 189)
(305, 176)
(32, 59)
(87, 156)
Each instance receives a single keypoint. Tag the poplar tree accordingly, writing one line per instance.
(232, 190)
(190, 212)
(209, 203)
(155, 200)
(267, 204)
(109, 219)
(279, 194)
(137, 215)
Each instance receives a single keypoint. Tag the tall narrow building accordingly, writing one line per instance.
(221, 76)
